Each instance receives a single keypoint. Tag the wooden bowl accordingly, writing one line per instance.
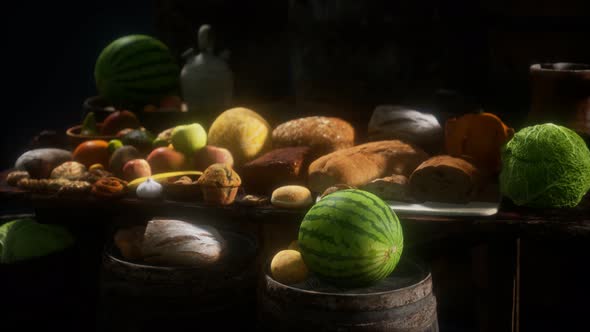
(75, 138)
(157, 120)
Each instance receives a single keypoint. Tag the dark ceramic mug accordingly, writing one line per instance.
(561, 94)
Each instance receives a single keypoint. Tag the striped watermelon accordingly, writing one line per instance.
(351, 238)
(136, 70)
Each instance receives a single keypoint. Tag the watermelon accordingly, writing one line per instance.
(136, 70)
(351, 238)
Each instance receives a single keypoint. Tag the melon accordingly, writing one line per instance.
(136, 70)
(351, 238)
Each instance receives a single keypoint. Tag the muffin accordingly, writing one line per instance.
(219, 184)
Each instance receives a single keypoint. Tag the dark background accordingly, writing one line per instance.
(330, 57)
(342, 60)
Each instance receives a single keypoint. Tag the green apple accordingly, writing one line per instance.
(114, 144)
(189, 139)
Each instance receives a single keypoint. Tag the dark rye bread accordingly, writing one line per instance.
(444, 179)
(361, 164)
(322, 134)
(276, 168)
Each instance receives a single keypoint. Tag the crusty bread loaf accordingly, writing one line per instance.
(390, 188)
(276, 168)
(322, 134)
(359, 165)
(176, 242)
(444, 179)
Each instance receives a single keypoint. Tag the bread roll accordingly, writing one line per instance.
(176, 242)
(322, 134)
(444, 179)
(291, 197)
(359, 165)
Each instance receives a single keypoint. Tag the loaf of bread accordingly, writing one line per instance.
(390, 188)
(322, 134)
(361, 164)
(444, 179)
(396, 122)
(176, 242)
(276, 168)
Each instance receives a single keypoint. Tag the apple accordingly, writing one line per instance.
(188, 139)
(119, 120)
(114, 144)
(165, 159)
(120, 157)
(136, 168)
(210, 155)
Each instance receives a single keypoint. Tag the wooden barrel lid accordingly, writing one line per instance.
(408, 283)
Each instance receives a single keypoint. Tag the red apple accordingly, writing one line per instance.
(210, 155)
(119, 120)
(165, 159)
(136, 168)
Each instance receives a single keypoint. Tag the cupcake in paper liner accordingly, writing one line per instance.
(219, 184)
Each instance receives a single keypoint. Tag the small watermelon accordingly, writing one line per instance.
(136, 70)
(351, 238)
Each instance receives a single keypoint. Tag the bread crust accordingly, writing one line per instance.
(322, 134)
(361, 164)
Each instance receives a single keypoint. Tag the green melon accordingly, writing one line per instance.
(351, 238)
(136, 70)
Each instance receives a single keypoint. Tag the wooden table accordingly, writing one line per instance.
(493, 242)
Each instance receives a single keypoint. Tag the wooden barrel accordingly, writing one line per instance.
(402, 302)
(139, 297)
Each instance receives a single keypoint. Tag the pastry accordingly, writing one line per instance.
(94, 174)
(219, 184)
(70, 170)
(13, 177)
(444, 179)
(276, 168)
(322, 134)
(109, 187)
(361, 164)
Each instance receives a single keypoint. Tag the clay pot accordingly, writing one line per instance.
(561, 95)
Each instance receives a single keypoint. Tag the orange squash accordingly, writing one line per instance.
(479, 138)
(92, 152)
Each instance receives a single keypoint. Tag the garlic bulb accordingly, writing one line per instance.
(149, 189)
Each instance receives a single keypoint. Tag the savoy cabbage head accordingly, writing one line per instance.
(545, 166)
(25, 239)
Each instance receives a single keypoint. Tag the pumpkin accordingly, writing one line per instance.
(477, 137)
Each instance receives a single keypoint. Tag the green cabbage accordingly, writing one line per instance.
(545, 166)
(23, 239)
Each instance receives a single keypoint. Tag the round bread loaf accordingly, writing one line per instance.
(444, 179)
(322, 134)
